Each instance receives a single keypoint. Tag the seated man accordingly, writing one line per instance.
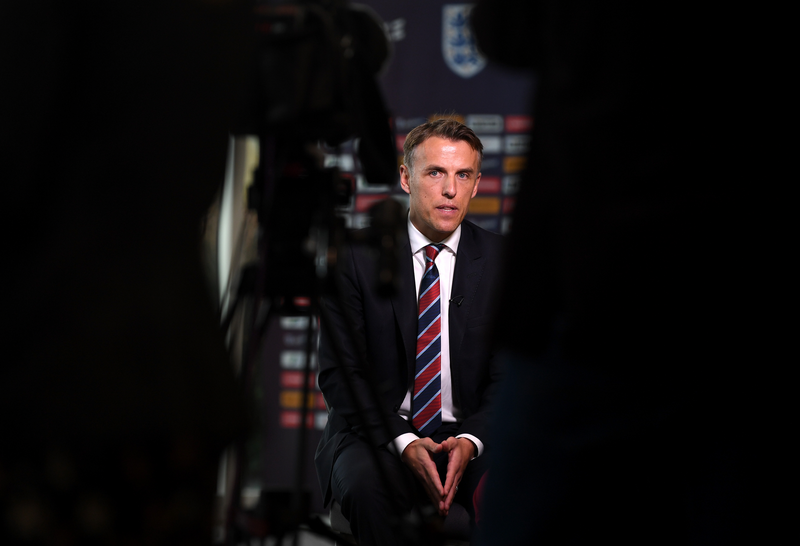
(426, 350)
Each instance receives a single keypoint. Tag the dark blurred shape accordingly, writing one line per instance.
(627, 314)
(316, 64)
(315, 69)
(388, 220)
(114, 139)
(298, 237)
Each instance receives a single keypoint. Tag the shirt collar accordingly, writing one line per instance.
(419, 241)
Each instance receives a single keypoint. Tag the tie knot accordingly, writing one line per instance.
(432, 251)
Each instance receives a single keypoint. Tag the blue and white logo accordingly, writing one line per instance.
(458, 44)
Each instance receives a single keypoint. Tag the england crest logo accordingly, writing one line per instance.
(458, 44)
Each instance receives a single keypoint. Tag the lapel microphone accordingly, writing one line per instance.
(457, 300)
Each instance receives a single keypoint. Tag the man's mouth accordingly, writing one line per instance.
(446, 207)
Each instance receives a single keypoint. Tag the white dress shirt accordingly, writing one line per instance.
(446, 264)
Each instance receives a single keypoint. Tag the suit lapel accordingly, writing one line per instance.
(466, 279)
(404, 303)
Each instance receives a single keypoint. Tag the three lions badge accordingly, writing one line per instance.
(458, 43)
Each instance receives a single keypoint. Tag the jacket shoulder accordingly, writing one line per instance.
(483, 238)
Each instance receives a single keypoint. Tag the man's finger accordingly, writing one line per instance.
(457, 461)
(432, 484)
(433, 478)
(448, 501)
(455, 470)
(452, 479)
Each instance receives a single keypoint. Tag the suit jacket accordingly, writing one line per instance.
(385, 331)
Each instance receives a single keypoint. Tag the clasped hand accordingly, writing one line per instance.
(418, 455)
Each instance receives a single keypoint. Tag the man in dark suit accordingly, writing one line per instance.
(433, 374)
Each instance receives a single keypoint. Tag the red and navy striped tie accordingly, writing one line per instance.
(427, 403)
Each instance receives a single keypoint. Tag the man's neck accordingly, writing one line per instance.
(419, 240)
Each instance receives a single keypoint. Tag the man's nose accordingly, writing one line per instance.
(449, 187)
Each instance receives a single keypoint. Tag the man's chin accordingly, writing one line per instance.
(440, 230)
(446, 228)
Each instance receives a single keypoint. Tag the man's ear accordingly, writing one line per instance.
(477, 181)
(405, 178)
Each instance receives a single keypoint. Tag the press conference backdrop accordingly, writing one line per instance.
(435, 69)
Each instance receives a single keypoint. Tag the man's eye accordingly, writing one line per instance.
(434, 173)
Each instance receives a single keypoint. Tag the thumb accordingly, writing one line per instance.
(432, 446)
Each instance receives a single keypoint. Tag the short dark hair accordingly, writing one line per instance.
(446, 128)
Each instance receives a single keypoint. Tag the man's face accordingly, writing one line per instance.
(444, 180)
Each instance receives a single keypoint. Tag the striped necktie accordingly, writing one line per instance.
(427, 403)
